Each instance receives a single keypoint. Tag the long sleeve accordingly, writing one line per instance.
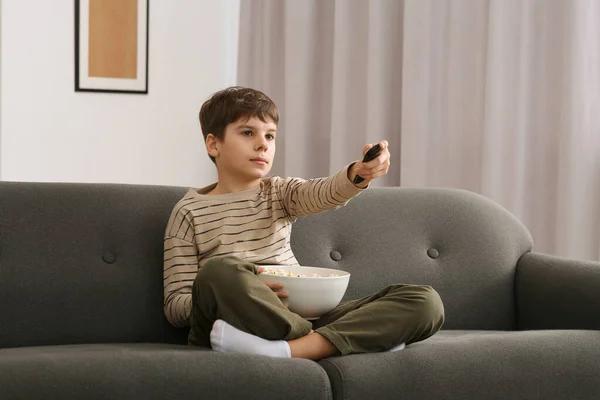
(180, 269)
(300, 197)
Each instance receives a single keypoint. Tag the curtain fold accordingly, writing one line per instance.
(334, 68)
(499, 97)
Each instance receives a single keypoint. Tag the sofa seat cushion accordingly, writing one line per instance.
(552, 364)
(153, 371)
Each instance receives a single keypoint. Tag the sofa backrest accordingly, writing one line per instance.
(462, 244)
(82, 263)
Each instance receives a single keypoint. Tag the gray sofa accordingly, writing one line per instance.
(81, 302)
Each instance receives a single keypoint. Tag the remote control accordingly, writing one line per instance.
(371, 154)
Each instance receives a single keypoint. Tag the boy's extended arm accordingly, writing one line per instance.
(301, 197)
(180, 269)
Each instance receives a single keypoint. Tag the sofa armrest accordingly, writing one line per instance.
(557, 293)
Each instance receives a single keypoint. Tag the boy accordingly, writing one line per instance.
(218, 236)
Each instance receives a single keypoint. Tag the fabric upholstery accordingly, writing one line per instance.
(81, 302)
(83, 263)
(474, 365)
(557, 293)
(93, 253)
(394, 235)
(154, 371)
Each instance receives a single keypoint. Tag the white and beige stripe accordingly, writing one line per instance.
(254, 225)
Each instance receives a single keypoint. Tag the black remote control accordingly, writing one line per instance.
(371, 154)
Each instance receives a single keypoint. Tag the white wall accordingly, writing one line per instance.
(49, 132)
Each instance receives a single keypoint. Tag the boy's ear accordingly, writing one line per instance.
(212, 145)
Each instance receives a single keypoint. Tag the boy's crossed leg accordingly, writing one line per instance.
(384, 321)
(228, 339)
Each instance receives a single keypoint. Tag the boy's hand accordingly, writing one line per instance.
(375, 168)
(274, 286)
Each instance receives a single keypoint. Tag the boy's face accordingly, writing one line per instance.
(247, 150)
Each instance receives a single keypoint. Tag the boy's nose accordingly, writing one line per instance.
(262, 148)
(261, 144)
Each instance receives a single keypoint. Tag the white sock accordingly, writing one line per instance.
(228, 339)
(401, 346)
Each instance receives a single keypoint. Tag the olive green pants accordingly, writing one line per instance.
(228, 288)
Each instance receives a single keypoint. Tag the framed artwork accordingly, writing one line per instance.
(111, 46)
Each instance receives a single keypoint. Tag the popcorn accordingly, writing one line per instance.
(282, 272)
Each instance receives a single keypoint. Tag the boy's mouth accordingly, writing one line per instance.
(259, 160)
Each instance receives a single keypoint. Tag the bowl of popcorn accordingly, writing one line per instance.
(312, 291)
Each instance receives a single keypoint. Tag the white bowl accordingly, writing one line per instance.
(310, 297)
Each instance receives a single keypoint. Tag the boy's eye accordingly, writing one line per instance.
(270, 137)
(247, 133)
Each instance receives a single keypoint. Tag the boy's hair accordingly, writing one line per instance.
(229, 105)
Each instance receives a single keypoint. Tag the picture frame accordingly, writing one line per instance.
(111, 46)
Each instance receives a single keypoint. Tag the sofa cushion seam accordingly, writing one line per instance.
(341, 375)
(324, 374)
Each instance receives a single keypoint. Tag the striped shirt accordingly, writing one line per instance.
(254, 225)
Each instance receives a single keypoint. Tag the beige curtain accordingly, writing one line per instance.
(334, 68)
(500, 97)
